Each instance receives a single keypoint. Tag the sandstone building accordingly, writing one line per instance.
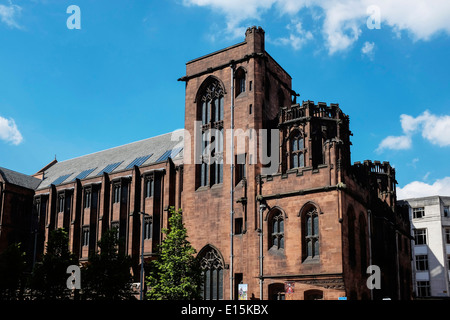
(285, 212)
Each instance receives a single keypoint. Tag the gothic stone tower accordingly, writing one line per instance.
(299, 221)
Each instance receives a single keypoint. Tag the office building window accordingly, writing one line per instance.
(420, 236)
(422, 262)
(418, 212)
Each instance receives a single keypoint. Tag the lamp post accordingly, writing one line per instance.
(141, 289)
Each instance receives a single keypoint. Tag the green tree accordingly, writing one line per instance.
(12, 267)
(107, 274)
(49, 277)
(176, 275)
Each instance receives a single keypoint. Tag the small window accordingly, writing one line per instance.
(418, 212)
(61, 203)
(116, 195)
(238, 226)
(115, 225)
(85, 236)
(420, 236)
(422, 262)
(423, 288)
(297, 151)
(447, 235)
(149, 187)
(446, 211)
(240, 168)
(87, 199)
(240, 81)
(148, 228)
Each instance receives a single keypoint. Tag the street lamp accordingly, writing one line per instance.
(141, 293)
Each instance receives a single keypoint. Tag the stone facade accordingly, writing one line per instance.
(286, 212)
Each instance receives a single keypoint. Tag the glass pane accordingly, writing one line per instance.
(274, 226)
(300, 144)
(208, 285)
(214, 285)
(281, 242)
(316, 225)
(308, 226)
(281, 229)
(220, 289)
(216, 110)
(294, 145)
(301, 160)
(275, 241)
(316, 247)
(204, 113)
(309, 248)
(221, 108)
(295, 161)
(208, 108)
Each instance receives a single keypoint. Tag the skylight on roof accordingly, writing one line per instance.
(169, 153)
(138, 161)
(61, 179)
(109, 168)
(84, 174)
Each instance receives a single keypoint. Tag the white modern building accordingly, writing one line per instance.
(430, 223)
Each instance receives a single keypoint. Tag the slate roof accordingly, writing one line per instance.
(117, 159)
(19, 179)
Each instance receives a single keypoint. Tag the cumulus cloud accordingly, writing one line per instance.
(298, 36)
(368, 48)
(9, 131)
(418, 189)
(434, 128)
(9, 13)
(343, 21)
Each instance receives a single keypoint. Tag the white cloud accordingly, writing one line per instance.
(418, 189)
(368, 48)
(298, 37)
(343, 20)
(9, 131)
(435, 129)
(395, 143)
(8, 14)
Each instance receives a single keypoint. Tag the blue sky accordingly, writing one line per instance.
(70, 92)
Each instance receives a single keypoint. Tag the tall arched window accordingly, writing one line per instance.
(212, 266)
(297, 144)
(362, 242)
(276, 229)
(351, 236)
(240, 84)
(210, 99)
(309, 215)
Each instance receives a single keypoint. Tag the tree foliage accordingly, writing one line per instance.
(12, 267)
(49, 277)
(107, 274)
(176, 275)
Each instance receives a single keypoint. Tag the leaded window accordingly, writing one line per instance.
(211, 114)
(312, 233)
(276, 224)
(297, 150)
(212, 270)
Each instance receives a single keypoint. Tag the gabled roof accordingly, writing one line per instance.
(123, 157)
(19, 179)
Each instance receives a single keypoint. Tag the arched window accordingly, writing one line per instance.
(313, 294)
(297, 144)
(362, 242)
(276, 229)
(351, 236)
(212, 266)
(210, 99)
(276, 291)
(310, 232)
(239, 77)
